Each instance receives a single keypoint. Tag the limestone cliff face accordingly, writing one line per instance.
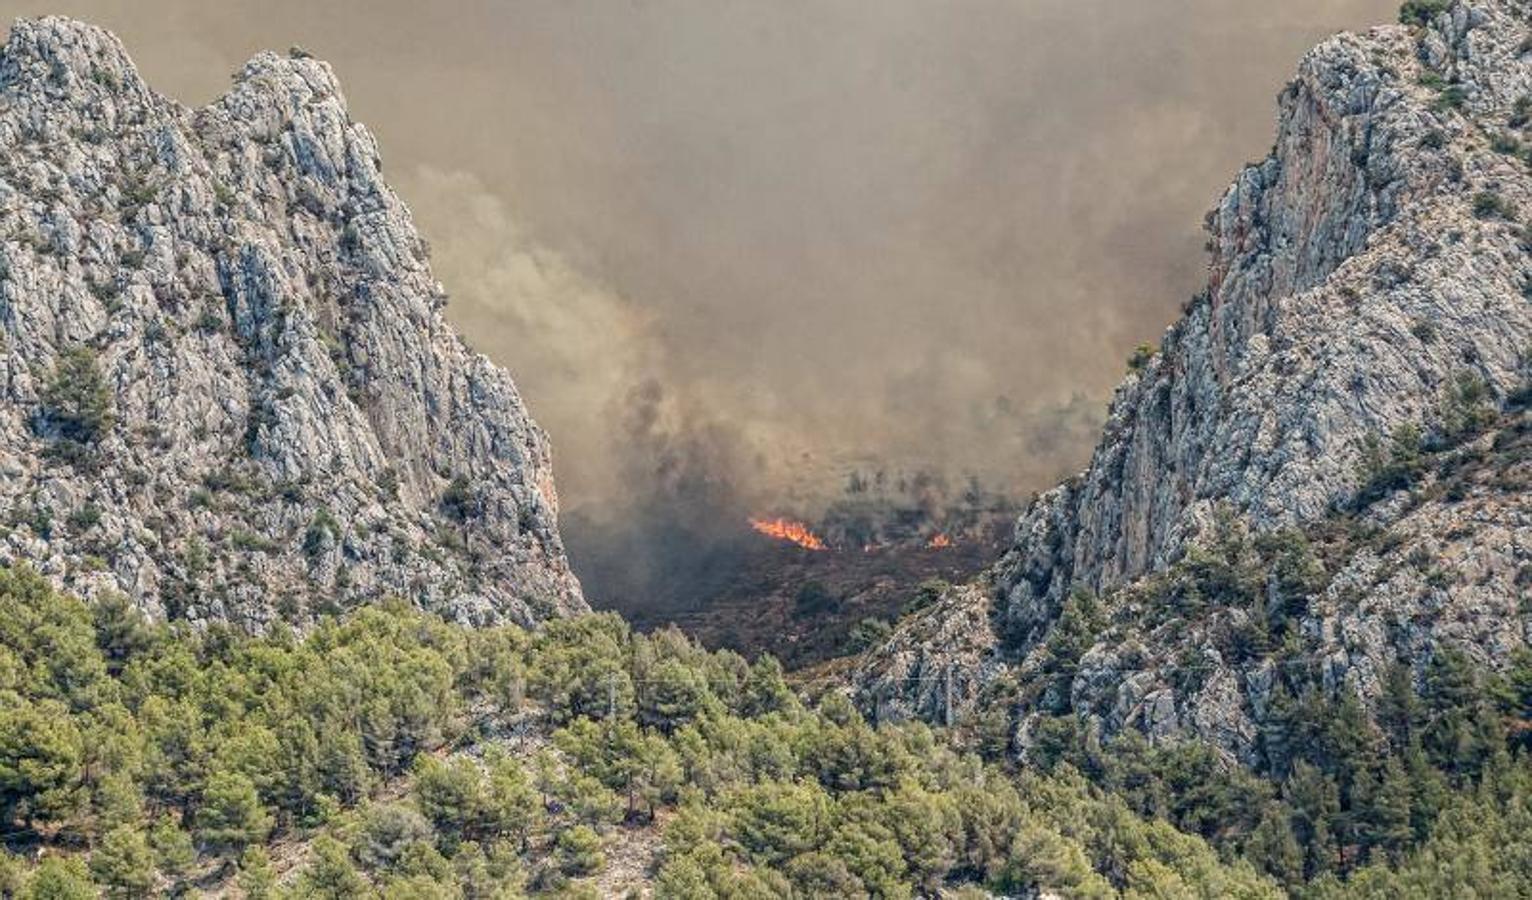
(1326, 256)
(290, 423)
(1361, 276)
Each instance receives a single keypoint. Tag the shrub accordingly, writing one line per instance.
(459, 501)
(387, 831)
(1142, 354)
(813, 598)
(1490, 205)
(1386, 471)
(321, 531)
(1453, 96)
(250, 542)
(1467, 407)
(210, 320)
(929, 591)
(85, 518)
(388, 483)
(1508, 144)
(1521, 113)
(76, 400)
(868, 633)
(1421, 12)
(580, 851)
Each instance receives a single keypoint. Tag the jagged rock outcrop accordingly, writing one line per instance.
(1371, 273)
(226, 385)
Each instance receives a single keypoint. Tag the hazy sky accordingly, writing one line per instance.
(758, 239)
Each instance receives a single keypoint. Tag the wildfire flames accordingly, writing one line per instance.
(788, 530)
(796, 532)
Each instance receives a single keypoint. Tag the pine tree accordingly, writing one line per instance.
(174, 852)
(41, 757)
(1456, 737)
(1399, 710)
(1273, 847)
(1351, 741)
(76, 399)
(59, 878)
(1516, 697)
(450, 794)
(766, 689)
(1385, 810)
(124, 863)
(256, 877)
(673, 695)
(1315, 801)
(330, 875)
(1283, 730)
(579, 850)
(509, 805)
(231, 816)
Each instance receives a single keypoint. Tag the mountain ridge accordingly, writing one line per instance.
(1303, 545)
(288, 424)
(1366, 279)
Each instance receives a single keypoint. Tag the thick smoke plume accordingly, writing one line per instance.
(734, 251)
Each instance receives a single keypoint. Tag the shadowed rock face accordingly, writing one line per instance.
(292, 423)
(1358, 275)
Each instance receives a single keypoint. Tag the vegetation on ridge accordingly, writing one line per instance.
(392, 754)
(404, 756)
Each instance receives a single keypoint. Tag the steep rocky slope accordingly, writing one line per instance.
(226, 386)
(1366, 321)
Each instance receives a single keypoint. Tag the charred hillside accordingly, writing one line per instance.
(803, 589)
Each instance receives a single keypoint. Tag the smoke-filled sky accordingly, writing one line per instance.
(731, 245)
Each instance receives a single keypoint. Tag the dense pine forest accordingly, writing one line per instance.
(391, 754)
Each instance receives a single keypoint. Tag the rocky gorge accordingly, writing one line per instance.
(285, 611)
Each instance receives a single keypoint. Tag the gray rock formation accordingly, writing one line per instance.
(226, 385)
(1371, 273)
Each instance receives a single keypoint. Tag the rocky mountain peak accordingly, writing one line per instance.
(71, 64)
(1364, 323)
(226, 386)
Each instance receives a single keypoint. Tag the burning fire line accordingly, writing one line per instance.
(788, 530)
(939, 541)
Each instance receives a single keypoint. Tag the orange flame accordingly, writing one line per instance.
(788, 530)
(939, 541)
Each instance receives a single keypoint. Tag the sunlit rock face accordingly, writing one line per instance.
(1360, 276)
(292, 426)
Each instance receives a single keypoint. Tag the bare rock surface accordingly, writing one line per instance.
(1368, 287)
(226, 385)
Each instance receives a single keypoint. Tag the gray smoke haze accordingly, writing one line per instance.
(729, 248)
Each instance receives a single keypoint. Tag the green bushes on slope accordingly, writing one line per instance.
(142, 757)
(390, 754)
